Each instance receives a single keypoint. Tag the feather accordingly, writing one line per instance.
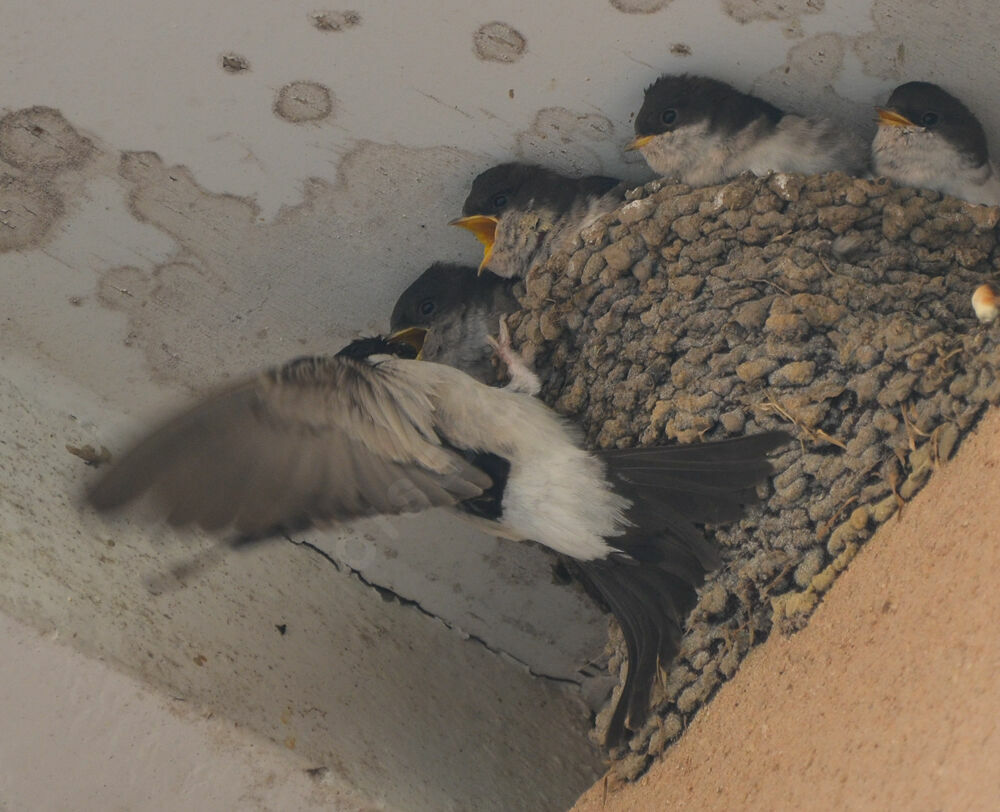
(327, 439)
(650, 583)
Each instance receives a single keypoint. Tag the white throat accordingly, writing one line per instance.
(913, 156)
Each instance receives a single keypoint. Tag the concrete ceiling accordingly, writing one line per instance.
(191, 190)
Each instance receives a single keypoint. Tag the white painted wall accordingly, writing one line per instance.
(163, 228)
(88, 738)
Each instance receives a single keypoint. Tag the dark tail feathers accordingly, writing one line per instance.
(650, 586)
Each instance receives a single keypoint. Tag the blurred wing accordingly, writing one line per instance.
(316, 441)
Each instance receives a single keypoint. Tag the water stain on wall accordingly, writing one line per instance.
(36, 144)
(234, 63)
(929, 34)
(745, 11)
(565, 140)
(821, 58)
(881, 56)
(41, 140)
(498, 42)
(639, 6)
(27, 212)
(805, 83)
(240, 293)
(335, 20)
(298, 102)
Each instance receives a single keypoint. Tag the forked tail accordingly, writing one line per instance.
(651, 584)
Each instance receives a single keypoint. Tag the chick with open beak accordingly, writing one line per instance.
(523, 214)
(484, 228)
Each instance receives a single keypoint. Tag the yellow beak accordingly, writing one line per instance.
(414, 336)
(892, 119)
(639, 142)
(485, 228)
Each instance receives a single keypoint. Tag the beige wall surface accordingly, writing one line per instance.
(191, 190)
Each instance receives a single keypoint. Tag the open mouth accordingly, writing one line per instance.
(485, 228)
(412, 336)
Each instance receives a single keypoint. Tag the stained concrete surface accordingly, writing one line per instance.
(89, 738)
(168, 222)
(391, 700)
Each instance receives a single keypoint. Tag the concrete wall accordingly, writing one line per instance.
(191, 190)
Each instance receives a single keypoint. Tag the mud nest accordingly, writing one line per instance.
(835, 307)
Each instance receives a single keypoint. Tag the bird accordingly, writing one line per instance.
(703, 132)
(372, 430)
(525, 213)
(459, 310)
(927, 138)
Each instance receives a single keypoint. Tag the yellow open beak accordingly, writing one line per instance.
(414, 336)
(485, 228)
(639, 142)
(892, 119)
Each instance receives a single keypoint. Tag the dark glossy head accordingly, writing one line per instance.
(674, 101)
(518, 185)
(443, 288)
(924, 104)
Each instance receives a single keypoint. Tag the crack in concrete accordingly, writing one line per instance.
(388, 594)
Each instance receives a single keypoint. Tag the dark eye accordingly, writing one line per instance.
(668, 116)
(426, 307)
(499, 201)
(929, 119)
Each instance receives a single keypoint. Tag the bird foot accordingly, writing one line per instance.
(522, 378)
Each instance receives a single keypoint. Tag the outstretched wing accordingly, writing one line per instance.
(316, 441)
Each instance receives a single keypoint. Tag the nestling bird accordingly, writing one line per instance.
(703, 131)
(523, 213)
(371, 431)
(459, 310)
(927, 138)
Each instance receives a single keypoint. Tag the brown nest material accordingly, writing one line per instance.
(836, 307)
